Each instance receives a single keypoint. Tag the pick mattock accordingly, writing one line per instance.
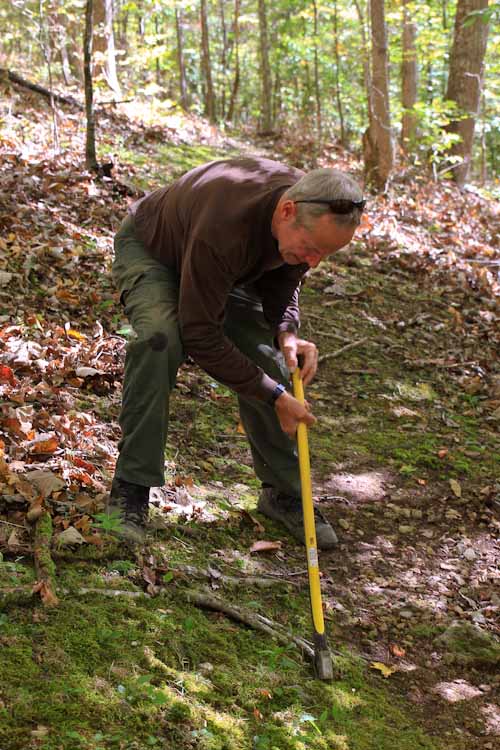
(322, 658)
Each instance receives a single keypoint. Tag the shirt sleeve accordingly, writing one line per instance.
(206, 281)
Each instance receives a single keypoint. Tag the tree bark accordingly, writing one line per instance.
(367, 76)
(338, 97)
(317, 92)
(223, 61)
(378, 142)
(265, 71)
(465, 81)
(104, 45)
(46, 44)
(180, 59)
(62, 40)
(409, 80)
(90, 150)
(210, 105)
(236, 78)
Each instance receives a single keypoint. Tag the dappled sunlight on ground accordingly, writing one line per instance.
(365, 487)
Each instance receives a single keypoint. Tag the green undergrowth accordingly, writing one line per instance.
(124, 673)
(154, 164)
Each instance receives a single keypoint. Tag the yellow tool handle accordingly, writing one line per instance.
(308, 511)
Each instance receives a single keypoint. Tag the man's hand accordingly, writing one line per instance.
(291, 347)
(290, 412)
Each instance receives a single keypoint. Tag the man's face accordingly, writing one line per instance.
(298, 244)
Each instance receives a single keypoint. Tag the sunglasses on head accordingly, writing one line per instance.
(337, 205)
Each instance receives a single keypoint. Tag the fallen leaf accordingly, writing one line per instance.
(263, 546)
(13, 540)
(20, 429)
(149, 575)
(397, 650)
(90, 468)
(84, 524)
(265, 694)
(184, 481)
(248, 517)
(456, 487)
(94, 539)
(7, 375)
(75, 335)
(443, 453)
(45, 481)
(81, 476)
(87, 372)
(47, 596)
(69, 537)
(383, 668)
(44, 445)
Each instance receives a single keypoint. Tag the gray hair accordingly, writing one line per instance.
(329, 184)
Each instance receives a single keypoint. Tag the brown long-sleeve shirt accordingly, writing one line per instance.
(213, 225)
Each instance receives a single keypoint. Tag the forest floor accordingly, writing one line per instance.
(405, 458)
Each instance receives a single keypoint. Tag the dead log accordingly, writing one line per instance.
(59, 98)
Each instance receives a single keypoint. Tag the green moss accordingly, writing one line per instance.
(467, 644)
(131, 674)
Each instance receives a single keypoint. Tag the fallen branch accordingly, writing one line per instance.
(220, 578)
(59, 98)
(252, 619)
(332, 355)
(44, 565)
(438, 363)
(331, 335)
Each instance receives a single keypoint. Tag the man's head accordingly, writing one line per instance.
(317, 216)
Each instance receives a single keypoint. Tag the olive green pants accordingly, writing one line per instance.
(149, 294)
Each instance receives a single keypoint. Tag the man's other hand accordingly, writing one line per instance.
(290, 412)
(292, 347)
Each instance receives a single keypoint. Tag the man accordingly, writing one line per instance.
(211, 267)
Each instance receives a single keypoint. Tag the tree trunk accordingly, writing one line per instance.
(223, 61)
(62, 41)
(46, 44)
(236, 79)
(158, 75)
(180, 59)
(265, 71)
(409, 74)
(367, 76)
(378, 143)
(338, 97)
(465, 81)
(104, 45)
(317, 93)
(210, 108)
(90, 152)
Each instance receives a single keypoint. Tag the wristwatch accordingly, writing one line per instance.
(276, 393)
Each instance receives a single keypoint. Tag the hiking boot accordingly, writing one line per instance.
(288, 511)
(131, 502)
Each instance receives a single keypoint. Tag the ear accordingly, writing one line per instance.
(288, 209)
